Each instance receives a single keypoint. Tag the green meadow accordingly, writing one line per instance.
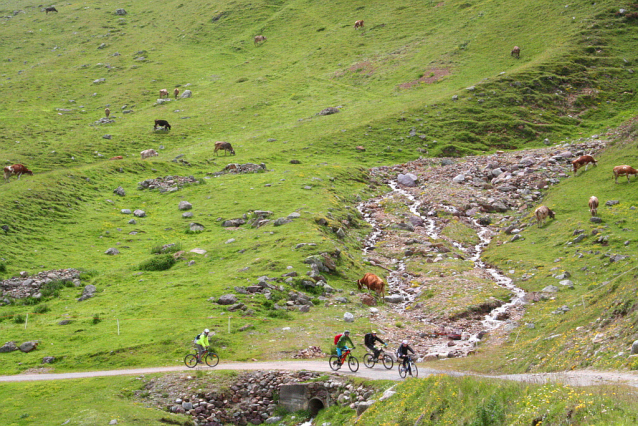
(419, 79)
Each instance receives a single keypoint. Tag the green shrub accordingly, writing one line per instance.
(19, 319)
(489, 414)
(158, 263)
(279, 314)
(166, 248)
(41, 309)
(52, 289)
(3, 267)
(96, 319)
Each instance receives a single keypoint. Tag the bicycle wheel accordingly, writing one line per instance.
(368, 360)
(414, 371)
(353, 364)
(388, 362)
(402, 371)
(334, 362)
(190, 360)
(211, 359)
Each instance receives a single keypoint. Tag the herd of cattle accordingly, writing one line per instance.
(543, 212)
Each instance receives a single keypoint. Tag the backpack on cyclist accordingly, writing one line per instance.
(337, 337)
(197, 338)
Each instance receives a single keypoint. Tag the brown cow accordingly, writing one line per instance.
(50, 9)
(372, 282)
(259, 39)
(624, 170)
(107, 112)
(358, 24)
(516, 52)
(583, 160)
(176, 91)
(542, 213)
(163, 94)
(593, 205)
(225, 146)
(16, 169)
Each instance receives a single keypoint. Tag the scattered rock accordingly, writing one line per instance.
(29, 346)
(112, 251)
(348, 317)
(89, 291)
(139, 213)
(185, 205)
(328, 111)
(196, 227)
(8, 347)
(227, 299)
(187, 94)
(120, 12)
(119, 191)
(48, 360)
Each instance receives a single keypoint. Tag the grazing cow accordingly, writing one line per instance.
(16, 169)
(176, 91)
(162, 123)
(149, 153)
(50, 9)
(163, 94)
(358, 24)
(225, 146)
(372, 282)
(259, 39)
(541, 214)
(624, 170)
(583, 160)
(593, 205)
(117, 157)
(516, 52)
(107, 112)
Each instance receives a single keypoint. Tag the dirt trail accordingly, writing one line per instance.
(572, 378)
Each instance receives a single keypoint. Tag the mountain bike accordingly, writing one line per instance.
(410, 368)
(370, 361)
(336, 362)
(209, 357)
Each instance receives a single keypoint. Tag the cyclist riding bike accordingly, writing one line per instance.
(342, 343)
(402, 353)
(369, 340)
(202, 343)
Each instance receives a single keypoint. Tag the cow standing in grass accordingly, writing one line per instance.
(516, 52)
(176, 92)
(358, 24)
(50, 9)
(225, 146)
(16, 169)
(372, 282)
(542, 213)
(624, 171)
(259, 39)
(593, 205)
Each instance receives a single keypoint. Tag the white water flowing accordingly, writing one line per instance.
(395, 277)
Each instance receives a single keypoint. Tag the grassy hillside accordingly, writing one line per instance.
(574, 75)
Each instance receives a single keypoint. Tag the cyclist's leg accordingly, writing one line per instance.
(200, 351)
(339, 352)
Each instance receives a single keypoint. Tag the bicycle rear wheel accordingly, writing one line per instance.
(414, 371)
(368, 360)
(353, 364)
(388, 362)
(190, 360)
(334, 362)
(211, 359)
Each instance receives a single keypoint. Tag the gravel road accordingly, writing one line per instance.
(572, 378)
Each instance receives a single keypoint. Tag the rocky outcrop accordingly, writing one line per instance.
(167, 183)
(30, 286)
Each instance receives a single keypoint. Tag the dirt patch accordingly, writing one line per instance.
(429, 76)
(37, 370)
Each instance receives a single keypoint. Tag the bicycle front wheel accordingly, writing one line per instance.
(368, 360)
(414, 371)
(403, 371)
(190, 360)
(211, 359)
(334, 362)
(388, 362)
(353, 364)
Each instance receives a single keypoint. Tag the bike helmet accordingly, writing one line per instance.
(206, 331)
(405, 342)
(346, 332)
(373, 332)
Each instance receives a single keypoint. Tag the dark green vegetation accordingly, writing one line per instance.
(394, 80)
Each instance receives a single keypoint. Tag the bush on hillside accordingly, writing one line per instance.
(52, 288)
(158, 263)
(3, 267)
(166, 248)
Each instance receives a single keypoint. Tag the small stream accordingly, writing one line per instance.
(398, 278)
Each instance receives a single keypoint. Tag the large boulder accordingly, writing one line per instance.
(89, 291)
(185, 205)
(227, 299)
(408, 179)
(29, 346)
(634, 347)
(139, 213)
(187, 94)
(394, 298)
(112, 251)
(196, 227)
(8, 347)
(348, 317)
(119, 191)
